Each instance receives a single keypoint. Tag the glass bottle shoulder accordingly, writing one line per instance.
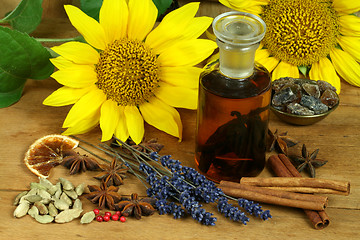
(217, 83)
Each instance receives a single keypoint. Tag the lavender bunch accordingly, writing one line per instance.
(181, 189)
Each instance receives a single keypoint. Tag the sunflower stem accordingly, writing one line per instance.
(43, 40)
(94, 154)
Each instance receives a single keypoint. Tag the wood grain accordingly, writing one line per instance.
(337, 137)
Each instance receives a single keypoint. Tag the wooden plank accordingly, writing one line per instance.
(337, 137)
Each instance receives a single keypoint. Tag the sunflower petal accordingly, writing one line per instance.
(77, 52)
(197, 27)
(121, 131)
(109, 119)
(66, 95)
(172, 26)
(324, 70)
(350, 45)
(284, 69)
(86, 106)
(269, 63)
(142, 17)
(181, 76)
(84, 125)
(262, 58)
(61, 63)
(346, 6)
(88, 27)
(261, 54)
(135, 123)
(158, 114)
(187, 53)
(78, 76)
(113, 18)
(253, 6)
(177, 96)
(349, 25)
(193, 30)
(346, 66)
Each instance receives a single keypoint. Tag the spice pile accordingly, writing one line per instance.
(172, 188)
(302, 96)
(46, 202)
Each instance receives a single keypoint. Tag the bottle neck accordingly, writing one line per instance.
(237, 61)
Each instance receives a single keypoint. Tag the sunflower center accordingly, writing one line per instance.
(127, 72)
(300, 32)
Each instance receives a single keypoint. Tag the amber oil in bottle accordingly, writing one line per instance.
(234, 98)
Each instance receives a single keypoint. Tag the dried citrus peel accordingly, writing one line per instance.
(47, 152)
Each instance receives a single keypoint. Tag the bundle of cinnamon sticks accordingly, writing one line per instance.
(289, 189)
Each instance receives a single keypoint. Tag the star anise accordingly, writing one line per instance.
(280, 142)
(308, 160)
(79, 163)
(135, 207)
(104, 196)
(112, 174)
(151, 145)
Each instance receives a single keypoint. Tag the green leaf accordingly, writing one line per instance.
(26, 16)
(303, 70)
(10, 89)
(162, 5)
(91, 7)
(22, 56)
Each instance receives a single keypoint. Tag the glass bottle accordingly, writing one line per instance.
(234, 98)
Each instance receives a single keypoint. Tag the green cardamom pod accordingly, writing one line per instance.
(44, 218)
(66, 184)
(17, 198)
(68, 215)
(33, 211)
(22, 209)
(87, 217)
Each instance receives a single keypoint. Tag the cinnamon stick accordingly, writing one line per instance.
(299, 184)
(254, 196)
(276, 197)
(282, 167)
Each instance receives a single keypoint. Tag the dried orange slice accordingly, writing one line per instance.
(47, 152)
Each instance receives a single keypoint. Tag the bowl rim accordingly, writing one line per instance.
(305, 116)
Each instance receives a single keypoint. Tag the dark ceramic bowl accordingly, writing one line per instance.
(300, 119)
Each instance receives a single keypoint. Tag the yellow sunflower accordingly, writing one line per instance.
(319, 37)
(129, 72)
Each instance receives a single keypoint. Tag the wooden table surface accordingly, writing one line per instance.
(337, 137)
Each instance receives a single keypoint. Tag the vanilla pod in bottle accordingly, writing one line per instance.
(234, 98)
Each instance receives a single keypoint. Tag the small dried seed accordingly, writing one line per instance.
(66, 184)
(33, 198)
(58, 193)
(68, 215)
(33, 191)
(44, 218)
(71, 193)
(17, 198)
(80, 189)
(87, 217)
(66, 199)
(77, 204)
(22, 209)
(42, 208)
(35, 185)
(52, 190)
(60, 204)
(44, 194)
(22, 199)
(33, 211)
(52, 210)
(46, 183)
